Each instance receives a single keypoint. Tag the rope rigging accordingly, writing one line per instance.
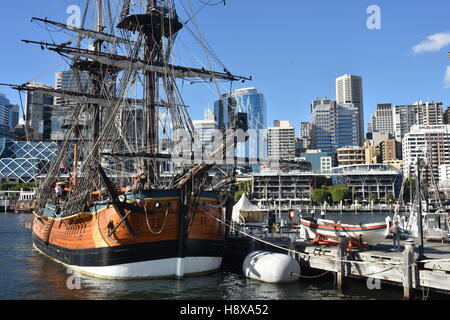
(121, 122)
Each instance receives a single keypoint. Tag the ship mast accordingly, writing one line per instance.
(152, 44)
(147, 59)
(97, 78)
(158, 21)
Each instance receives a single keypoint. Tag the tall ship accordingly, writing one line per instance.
(109, 207)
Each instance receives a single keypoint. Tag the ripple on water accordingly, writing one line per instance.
(26, 274)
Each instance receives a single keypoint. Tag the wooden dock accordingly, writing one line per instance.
(377, 265)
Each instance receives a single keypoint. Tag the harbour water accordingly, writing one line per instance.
(26, 274)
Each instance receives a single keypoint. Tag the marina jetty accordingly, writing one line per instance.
(379, 265)
(351, 208)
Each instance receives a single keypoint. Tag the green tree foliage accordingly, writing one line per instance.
(26, 186)
(339, 193)
(389, 198)
(373, 197)
(7, 186)
(321, 195)
(238, 194)
(242, 187)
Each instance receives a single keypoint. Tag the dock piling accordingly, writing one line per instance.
(408, 267)
(340, 263)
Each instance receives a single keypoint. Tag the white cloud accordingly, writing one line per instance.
(447, 78)
(435, 42)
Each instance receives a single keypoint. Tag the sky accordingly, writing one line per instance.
(293, 49)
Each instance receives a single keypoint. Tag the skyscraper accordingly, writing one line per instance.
(206, 129)
(250, 106)
(67, 80)
(382, 120)
(38, 113)
(347, 125)
(305, 134)
(9, 117)
(9, 113)
(430, 113)
(3, 99)
(334, 125)
(422, 113)
(61, 115)
(430, 141)
(405, 116)
(281, 144)
(446, 118)
(349, 90)
(323, 134)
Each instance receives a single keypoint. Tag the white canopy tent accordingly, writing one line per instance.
(243, 206)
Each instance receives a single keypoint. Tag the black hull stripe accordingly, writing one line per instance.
(108, 256)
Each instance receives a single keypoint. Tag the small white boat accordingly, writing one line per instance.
(370, 233)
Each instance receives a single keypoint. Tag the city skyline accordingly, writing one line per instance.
(242, 143)
(402, 62)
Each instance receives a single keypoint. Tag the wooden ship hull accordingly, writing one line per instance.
(97, 243)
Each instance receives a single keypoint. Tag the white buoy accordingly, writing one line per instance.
(271, 267)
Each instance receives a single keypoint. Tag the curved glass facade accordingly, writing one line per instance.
(26, 160)
(251, 103)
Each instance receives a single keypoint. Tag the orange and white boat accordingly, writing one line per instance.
(158, 237)
(370, 233)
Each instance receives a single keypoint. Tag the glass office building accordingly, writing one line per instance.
(39, 112)
(322, 133)
(349, 91)
(249, 107)
(26, 159)
(334, 125)
(347, 125)
(9, 117)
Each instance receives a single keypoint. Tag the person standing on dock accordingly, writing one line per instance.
(396, 235)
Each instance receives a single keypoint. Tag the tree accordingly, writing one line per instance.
(6, 186)
(373, 197)
(339, 193)
(243, 187)
(389, 198)
(27, 186)
(238, 194)
(320, 195)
